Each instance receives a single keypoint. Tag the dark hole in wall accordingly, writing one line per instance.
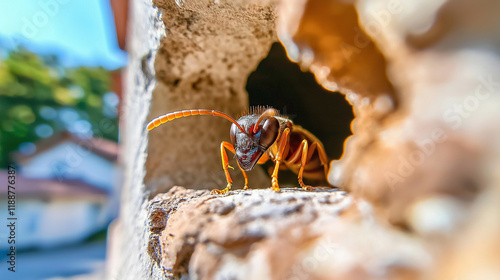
(279, 82)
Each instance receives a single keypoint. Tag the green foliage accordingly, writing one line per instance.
(36, 91)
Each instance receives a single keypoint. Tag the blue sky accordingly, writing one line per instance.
(80, 32)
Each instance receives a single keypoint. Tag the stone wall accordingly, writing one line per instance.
(203, 63)
(419, 176)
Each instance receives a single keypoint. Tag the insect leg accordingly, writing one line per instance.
(279, 156)
(306, 155)
(225, 165)
(303, 161)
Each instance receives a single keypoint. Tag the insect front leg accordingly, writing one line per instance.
(225, 165)
(279, 157)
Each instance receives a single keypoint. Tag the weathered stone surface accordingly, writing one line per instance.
(474, 253)
(203, 62)
(428, 131)
(426, 153)
(127, 238)
(422, 77)
(326, 38)
(261, 234)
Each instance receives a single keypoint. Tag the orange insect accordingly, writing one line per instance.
(262, 135)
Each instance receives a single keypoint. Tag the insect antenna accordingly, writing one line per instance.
(186, 113)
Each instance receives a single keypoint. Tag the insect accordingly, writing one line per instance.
(262, 135)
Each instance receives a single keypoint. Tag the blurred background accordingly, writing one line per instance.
(60, 88)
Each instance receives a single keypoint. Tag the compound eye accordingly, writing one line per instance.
(232, 133)
(269, 132)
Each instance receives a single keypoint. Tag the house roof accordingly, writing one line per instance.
(47, 188)
(102, 147)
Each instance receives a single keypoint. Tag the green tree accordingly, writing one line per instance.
(39, 97)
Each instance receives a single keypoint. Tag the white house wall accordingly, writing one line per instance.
(52, 223)
(71, 161)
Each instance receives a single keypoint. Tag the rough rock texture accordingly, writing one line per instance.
(127, 237)
(424, 149)
(429, 132)
(261, 234)
(421, 169)
(210, 50)
(204, 61)
(326, 38)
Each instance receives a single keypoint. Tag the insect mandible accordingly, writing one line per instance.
(261, 135)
